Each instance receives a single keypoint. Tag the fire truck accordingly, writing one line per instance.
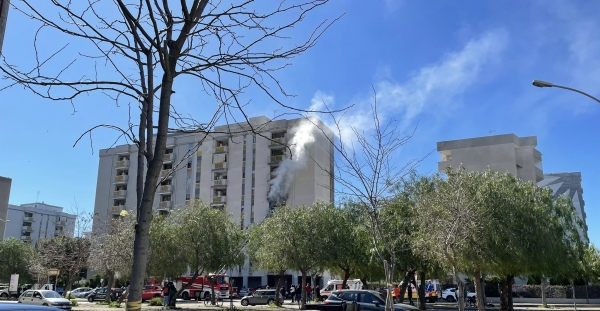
(201, 287)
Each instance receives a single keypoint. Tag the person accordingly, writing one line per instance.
(282, 292)
(293, 292)
(409, 288)
(298, 293)
(396, 294)
(165, 294)
(318, 292)
(172, 293)
(308, 292)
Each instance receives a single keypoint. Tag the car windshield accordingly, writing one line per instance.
(223, 280)
(51, 295)
(377, 299)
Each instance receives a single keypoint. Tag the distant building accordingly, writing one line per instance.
(4, 195)
(502, 153)
(569, 185)
(29, 222)
(4, 5)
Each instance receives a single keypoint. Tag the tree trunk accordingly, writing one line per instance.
(142, 228)
(303, 289)
(483, 288)
(279, 283)
(509, 285)
(212, 290)
(479, 290)
(503, 295)
(574, 299)
(110, 285)
(459, 291)
(346, 277)
(587, 294)
(544, 302)
(364, 282)
(421, 290)
(389, 279)
(405, 283)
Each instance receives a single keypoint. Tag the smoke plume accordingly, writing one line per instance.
(302, 137)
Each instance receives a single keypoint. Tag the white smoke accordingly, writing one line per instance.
(302, 137)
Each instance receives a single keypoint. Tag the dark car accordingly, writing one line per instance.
(22, 307)
(369, 300)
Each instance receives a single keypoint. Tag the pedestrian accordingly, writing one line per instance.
(165, 294)
(172, 294)
(308, 292)
(396, 294)
(293, 292)
(409, 288)
(298, 293)
(318, 292)
(282, 292)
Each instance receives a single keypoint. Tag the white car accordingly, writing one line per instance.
(45, 298)
(4, 294)
(450, 294)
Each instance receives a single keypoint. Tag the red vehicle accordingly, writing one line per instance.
(201, 287)
(151, 291)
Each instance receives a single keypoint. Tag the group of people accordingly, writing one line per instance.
(168, 292)
(396, 294)
(296, 293)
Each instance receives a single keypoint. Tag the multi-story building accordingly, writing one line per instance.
(232, 171)
(29, 222)
(502, 153)
(568, 185)
(4, 5)
(4, 195)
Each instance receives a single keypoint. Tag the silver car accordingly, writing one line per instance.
(45, 298)
(79, 292)
(260, 297)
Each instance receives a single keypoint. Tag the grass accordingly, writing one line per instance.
(73, 302)
(156, 302)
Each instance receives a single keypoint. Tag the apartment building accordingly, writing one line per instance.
(569, 185)
(32, 221)
(4, 195)
(502, 153)
(4, 5)
(232, 171)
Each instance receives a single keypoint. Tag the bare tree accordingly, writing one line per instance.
(144, 47)
(68, 254)
(366, 172)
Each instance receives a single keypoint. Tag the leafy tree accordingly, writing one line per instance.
(67, 254)
(199, 237)
(148, 48)
(14, 259)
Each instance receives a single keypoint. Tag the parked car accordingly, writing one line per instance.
(242, 292)
(22, 307)
(97, 294)
(151, 291)
(78, 292)
(4, 293)
(260, 297)
(450, 294)
(45, 298)
(367, 299)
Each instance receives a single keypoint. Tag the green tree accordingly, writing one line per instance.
(14, 259)
(67, 254)
(199, 237)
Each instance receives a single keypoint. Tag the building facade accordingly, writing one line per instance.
(233, 172)
(33, 221)
(569, 185)
(4, 195)
(502, 153)
(4, 5)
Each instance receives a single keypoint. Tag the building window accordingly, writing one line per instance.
(27, 214)
(189, 165)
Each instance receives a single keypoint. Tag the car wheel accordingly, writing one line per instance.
(244, 302)
(4, 296)
(450, 298)
(427, 300)
(206, 296)
(45, 304)
(91, 299)
(270, 301)
(185, 296)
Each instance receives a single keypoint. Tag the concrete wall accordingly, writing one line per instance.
(4, 196)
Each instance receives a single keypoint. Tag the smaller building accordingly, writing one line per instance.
(32, 221)
(502, 153)
(569, 185)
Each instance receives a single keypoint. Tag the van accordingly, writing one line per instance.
(333, 285)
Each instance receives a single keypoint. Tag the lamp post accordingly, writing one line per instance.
(540, 83)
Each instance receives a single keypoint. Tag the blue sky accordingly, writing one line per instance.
(459, 68)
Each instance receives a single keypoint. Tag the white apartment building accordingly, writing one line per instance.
(32, 221)
(228, 171)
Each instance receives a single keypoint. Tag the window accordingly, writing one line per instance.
(349, 297)
(28, 214)
(189, 165)
(28, 294)
(169, 151)
(165, 198)
(254, 138)
(26, 224)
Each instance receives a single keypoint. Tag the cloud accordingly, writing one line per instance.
(434, 86)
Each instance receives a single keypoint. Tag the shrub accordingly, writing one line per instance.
(74, 302)
(114, 304)
(70, 297)
(156, 301)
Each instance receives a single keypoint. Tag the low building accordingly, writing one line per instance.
(29, 222)
(502, 153)
(569, 185)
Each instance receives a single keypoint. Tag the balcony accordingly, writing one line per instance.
(61, 223)
(165, 205)
(198, 169)
(117, 209)
(276, 159)
(219, 199)
(220, 166)
(199, 153)
(165, 189)
(221, 149)
(169, 157)
(197, 185)
(277, 142)
(26, 237)
(220, 183)
(122, 164)
(27, 218)
(27, 228)
(121, 178)
(119, 193)
(165, 173)
(539, 175)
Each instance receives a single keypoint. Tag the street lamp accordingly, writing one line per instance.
(540, 83)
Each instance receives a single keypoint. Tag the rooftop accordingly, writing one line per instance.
(529, 141)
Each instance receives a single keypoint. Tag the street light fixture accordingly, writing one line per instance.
(540, 83)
